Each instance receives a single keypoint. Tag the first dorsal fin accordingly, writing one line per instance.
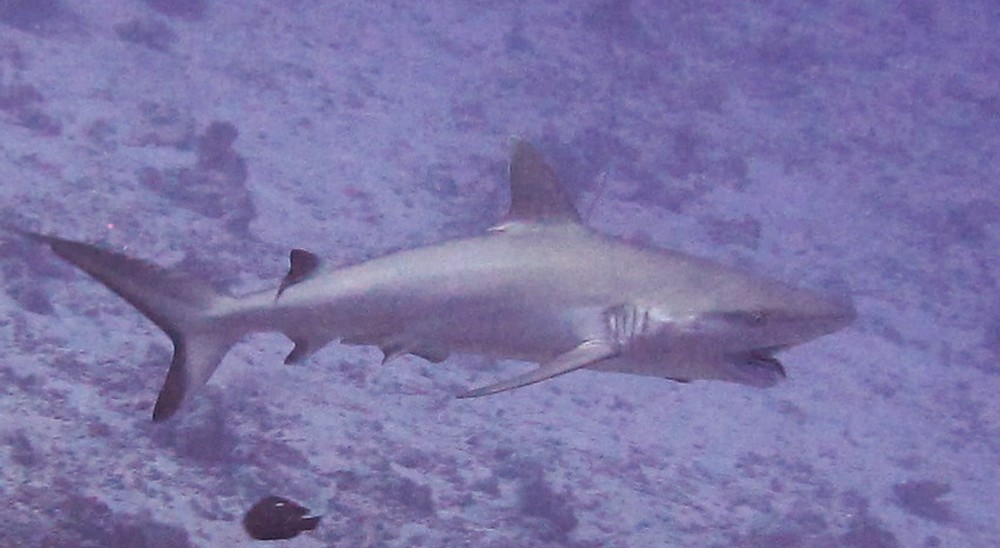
(301, 265)
(535, 193)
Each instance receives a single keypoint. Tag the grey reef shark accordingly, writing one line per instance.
(539, 287)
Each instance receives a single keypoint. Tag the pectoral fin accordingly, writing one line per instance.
(589, 352)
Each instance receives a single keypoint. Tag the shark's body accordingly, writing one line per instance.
(541, 287)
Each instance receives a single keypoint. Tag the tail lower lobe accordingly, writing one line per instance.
(178, 304)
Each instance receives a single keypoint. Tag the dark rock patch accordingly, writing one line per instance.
(163, 125)
(28, 264)
(22, 451)
(201, 434)
(31, 15)
(922, 498)
(868, 532)
(148, 33)
(215, 187)
(614, 20)
(745, 232)
(189, 10)
(21, 105)
(548, 514)
(411, 495)
(58, 515)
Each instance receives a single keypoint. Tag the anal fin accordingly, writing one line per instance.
(391, 351)
(588, 353)
(306, 344)
(394, 349)
(430, 353)
(299, 351)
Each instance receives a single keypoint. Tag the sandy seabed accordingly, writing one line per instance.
(849, 146)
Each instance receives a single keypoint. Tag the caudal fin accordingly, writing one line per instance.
(176, 303)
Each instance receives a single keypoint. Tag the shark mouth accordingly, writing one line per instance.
(758, 368)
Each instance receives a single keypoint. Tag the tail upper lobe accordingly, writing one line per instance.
(176, 303)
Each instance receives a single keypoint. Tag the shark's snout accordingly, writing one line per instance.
(787, 317)
(832, 313)
(756, 335)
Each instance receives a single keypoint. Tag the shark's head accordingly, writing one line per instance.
(795, 317)
(749, 325)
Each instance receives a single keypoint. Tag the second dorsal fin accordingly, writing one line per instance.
(301, 265)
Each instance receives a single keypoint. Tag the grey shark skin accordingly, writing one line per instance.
(540, 287)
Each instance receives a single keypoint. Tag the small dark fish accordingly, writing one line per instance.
(274, 518)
